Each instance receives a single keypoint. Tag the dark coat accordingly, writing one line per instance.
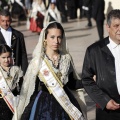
(99, 61)
(98, 10)
(19, 49)
(88, 3)
(4, 4)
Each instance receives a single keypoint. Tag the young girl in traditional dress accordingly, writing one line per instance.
(45, 94)
(10, 82)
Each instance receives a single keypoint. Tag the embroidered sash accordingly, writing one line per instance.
(54, 85)
(6, 93)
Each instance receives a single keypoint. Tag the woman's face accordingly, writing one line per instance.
(5, 59)
(52, 6)
(39, 2)
(54, 38)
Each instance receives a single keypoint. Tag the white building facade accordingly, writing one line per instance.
(115, 4)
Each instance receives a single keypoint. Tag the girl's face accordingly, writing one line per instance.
(54, 38)
(5, 59)
(52, 6)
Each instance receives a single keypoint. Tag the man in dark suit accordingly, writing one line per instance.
(72, 13)
(102, 59)
(4, 4)
(61, 7)
(14, 39)
(98, 16)
(87, 7)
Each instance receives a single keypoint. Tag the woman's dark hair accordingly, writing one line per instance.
(5, 48)
(54, 25)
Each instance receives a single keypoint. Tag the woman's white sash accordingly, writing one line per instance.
(54, 86)
(6, 93)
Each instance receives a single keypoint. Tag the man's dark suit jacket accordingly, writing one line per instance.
(18, 47)
(99, 61)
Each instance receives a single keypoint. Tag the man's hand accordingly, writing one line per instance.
(112, 105)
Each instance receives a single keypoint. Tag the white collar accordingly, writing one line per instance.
(112, 43)
(8, 30)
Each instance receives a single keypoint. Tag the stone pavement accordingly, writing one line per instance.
(78, 38)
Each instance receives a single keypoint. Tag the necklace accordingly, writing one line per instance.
(8, 76)
(55, 60)
(59, 75)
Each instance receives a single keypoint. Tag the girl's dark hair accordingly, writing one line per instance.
(54, 25)
(5, 48)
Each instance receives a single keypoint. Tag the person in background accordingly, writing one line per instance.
(79, 5)
(46, 2)
(28, 6)
(71, 9)
(61, 7)
(18, 10)
(4, 5)
(52, 14)
(37, 16)
(51, 74)
(102, 59)
(87, 7)
(14, 39)
(99, 16)
(11, 78)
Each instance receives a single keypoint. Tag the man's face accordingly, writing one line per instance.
(114, 30)
(5, 22)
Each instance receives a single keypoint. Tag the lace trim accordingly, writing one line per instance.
(30, 77)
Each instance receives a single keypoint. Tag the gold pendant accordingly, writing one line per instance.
(9, 78)
(59, 75)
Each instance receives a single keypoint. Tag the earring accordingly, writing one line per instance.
(44, 43)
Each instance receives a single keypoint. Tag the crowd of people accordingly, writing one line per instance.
(39, 12)
(44, 88)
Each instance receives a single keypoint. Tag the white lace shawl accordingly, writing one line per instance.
(16, 73)
(30, 79)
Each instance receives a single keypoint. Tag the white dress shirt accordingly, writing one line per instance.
(7, 35)
(115, 50)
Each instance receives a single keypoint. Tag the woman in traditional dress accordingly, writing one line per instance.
(45, 93)
(37, 16)
(10, 83)
(52, 14)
